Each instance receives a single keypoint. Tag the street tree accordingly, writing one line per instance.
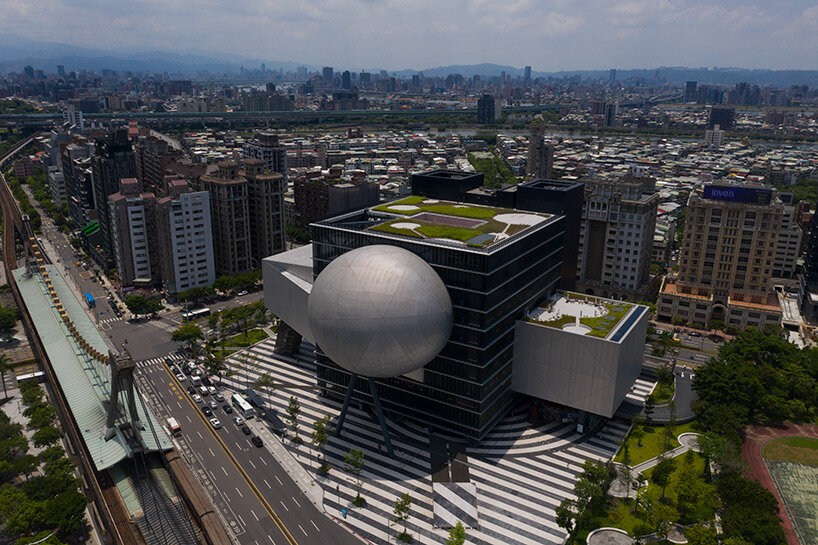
(320, 436)
(401, 512)
(566, 514)
(266, 384)
(293, 410)
(8, 321)
(137, 304)
(650, 406)
(662, 472)
(354, 465)
(46, 437)
(5, 366)
(457, 534)
(188, 333)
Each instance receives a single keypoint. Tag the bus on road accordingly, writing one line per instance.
(89, 299)
(241, 405)
(174, 428)
(196, 314)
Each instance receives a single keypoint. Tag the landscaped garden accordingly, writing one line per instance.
(241, 340)
(646, 442)
(477, 226)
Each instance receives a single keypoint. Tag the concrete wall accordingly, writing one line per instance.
(287, 286)
(577, 371)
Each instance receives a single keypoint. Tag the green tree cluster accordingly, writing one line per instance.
(241, 281)
(44, 503)
(8, 320)
(139, 304)
(756, 378)
(495, 170)
(591, 491)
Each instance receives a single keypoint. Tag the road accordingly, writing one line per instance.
(256, 497)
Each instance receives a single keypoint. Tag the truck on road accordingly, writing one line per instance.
(90, 300)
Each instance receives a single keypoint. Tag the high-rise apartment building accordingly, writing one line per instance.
(265, 194)
(609, 119)
(722, 116)
(485, 109)
(164, 241)
(320, 195)
(790, 237)
(690, 92)
(327, 73)
(265, 146)
(808, 288)
(185, 237)
(133, 234)
(616, 238)
(726, 259)
(527, 77)
(114, 160)
(540, 163)
(153, 155)
(75, 157)
(230, 215)
(714, 138)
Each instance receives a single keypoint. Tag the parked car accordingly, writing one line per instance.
(242, 292)
(197, 398)
(180, 377)
(191, 390)
(256, 440)
(207, 411)
(215, 423)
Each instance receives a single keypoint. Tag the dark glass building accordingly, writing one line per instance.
(466, 389)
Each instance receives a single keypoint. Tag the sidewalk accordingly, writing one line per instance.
(687, 441)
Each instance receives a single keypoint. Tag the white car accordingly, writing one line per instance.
(212, 390)
(238, 420)
(197, 398)
(242, 292)
(215, 423)
(180, 377)
(204, 391)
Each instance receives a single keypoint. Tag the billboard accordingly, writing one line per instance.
(737, 194)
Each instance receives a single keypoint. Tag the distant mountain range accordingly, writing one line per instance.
(16, 52)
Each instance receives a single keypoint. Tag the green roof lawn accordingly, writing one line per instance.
(445, 207)
(598, 322)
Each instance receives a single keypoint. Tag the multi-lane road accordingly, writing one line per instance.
(256, 498)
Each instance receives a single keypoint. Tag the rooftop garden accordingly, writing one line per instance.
(568, 305)
(474, 225)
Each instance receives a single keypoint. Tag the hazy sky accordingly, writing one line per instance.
(394, 34)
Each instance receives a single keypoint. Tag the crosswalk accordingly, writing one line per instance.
(110, 320)
(173, 358)
(520, 473)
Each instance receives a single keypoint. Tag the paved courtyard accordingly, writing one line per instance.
(516, 477)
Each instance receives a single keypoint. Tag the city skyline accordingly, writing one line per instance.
(371, 34)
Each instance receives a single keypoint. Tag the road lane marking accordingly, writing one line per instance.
(284, 506)
(263, 460)
(271, 539)
(211, 452)
(199, 434)
(254, 514)
(296, 501)
(302, 529)
(225, 471)
(239, 491)
(313, 523)
(279, 480)
(242, 521)
(268, 484)
(278, 522)
(252, 464)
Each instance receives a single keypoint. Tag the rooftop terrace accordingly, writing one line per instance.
(582, 314)
(468, 224)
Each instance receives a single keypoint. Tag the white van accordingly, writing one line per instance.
(196, 381)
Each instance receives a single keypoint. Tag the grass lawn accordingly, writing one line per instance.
(558, 322)
(670, 491)
(612, 316)
(663, 393)
(652, 443)
(253, 336)
(616, 515)
(800, 450)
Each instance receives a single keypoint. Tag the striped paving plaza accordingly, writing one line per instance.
(518, 474)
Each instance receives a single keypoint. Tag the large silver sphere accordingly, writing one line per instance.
(380, 311)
